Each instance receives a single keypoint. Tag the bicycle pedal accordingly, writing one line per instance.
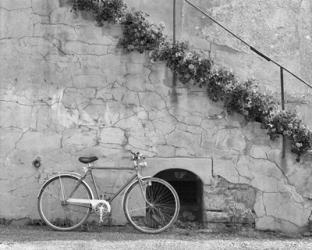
(102, 220)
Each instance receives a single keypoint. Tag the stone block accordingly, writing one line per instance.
(136, 83)
(259, 151)
(215, 201)
(152, 100)
(20, 19)
(283, 207)
(44, 7)
(78, 47)
(39, 141)
(275, 224)
(75, 140)
(187, 143)
(230, 139)
(237, 200)
(15, 4)
(16, 115)
(165, 150)
(89, 81)
(163, 122)
(224, 166)
(219, 217)
(259, 206)
(8, 139)
(113, 136)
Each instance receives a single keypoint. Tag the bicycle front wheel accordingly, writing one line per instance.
(151, 205)
(54, 209)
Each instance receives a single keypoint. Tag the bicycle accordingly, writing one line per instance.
(65, 201)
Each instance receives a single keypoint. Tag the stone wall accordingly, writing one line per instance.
(67, 91)
(281, 29)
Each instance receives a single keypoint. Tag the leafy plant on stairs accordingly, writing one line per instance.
(243, 97)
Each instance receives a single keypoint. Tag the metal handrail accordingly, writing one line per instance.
(247, 44)
(282, 68)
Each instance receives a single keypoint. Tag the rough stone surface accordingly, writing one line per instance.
(216, 217)
(280, 29)
(67, 91)
(229, 202)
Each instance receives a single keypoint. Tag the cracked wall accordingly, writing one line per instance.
(67, 91)
(281, 29)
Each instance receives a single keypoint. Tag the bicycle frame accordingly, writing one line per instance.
(88, 171)
(66, 200)
(129, 181)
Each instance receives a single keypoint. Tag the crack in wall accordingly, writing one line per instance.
(153, 124)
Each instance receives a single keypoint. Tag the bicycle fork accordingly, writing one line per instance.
(144, 193)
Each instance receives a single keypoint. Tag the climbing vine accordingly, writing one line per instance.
(139, 34)
(103, 11)
(242, 97)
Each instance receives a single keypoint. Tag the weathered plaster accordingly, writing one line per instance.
(67, 91)
(280, 29)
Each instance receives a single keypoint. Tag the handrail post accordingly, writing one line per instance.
(282, 88)
(282, 68)
(174, 75)
(247, 44)
(174, 22)
(283, 107)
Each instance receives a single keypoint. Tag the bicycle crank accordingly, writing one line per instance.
(102, 208)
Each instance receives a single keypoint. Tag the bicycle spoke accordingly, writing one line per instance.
(160, 214)
(55, 211)
(158, 206)
(165, 197)
(158, 192)
(138, 209)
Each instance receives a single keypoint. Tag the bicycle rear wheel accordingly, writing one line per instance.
(151, 207)
(52, 205)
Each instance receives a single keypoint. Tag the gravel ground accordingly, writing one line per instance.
(40, 237)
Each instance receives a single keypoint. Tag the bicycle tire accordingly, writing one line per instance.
(50, 206)
(162, 211)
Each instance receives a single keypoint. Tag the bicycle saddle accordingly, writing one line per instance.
(88, 159)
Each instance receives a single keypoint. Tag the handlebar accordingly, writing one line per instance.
(131, 152)
(138, 159)
(137, 155)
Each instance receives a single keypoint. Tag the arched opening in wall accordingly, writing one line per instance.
(190, 190)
